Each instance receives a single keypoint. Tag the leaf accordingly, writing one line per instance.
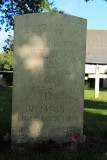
(6, 137)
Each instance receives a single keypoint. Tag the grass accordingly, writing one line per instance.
(5, 109)
(95, 123)
(6, 71)
(95, 112)
(62, 156)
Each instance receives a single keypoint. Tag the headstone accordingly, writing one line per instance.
(97, 77)
(49, 69)
(1, 79)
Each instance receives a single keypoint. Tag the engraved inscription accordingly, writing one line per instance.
(48, 94)
(64, 129)
(23, 130)
(41, 27)
(45, 108)
(54, 43)
(48, 79)
(49, 64)
(44, 118)
(26, 28)
(53, 129)
(59, 29)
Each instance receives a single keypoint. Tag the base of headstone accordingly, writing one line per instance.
(44, 147)
(33, 143)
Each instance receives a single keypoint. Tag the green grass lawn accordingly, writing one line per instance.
(95, 123)
(60, 156)
(5, 109)
(95, 112)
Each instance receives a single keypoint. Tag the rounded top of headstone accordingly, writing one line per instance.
(49, 14)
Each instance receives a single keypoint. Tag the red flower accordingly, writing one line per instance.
(76, 137)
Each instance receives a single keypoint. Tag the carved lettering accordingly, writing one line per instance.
(23, 130)
(45, 108)
(41, 27)
(51, 43)
(26, 28)
(59, 30)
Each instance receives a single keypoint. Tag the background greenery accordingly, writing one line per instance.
(6, 61)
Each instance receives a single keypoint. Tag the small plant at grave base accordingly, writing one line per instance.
(6, 137)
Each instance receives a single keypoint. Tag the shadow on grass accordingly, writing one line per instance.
(5, 110)
(95, 117)
(104, 90)
(89, 89)
(95, 104)
(92, 89)
(95, 123)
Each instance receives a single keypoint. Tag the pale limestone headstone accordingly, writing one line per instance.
(97, 77)
(49, 69)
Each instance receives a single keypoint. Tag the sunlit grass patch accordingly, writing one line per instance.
(95, 112)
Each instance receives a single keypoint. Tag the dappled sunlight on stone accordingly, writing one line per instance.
(34, 63)
(38, 49)
(15, 120)
(35, 128)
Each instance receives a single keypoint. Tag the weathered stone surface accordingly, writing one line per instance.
(49, 66)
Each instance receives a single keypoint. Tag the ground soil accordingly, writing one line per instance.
(92, 144)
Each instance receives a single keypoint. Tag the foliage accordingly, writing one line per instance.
(11, 8)
(9, 44)
(6, 61)
(6, 57)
